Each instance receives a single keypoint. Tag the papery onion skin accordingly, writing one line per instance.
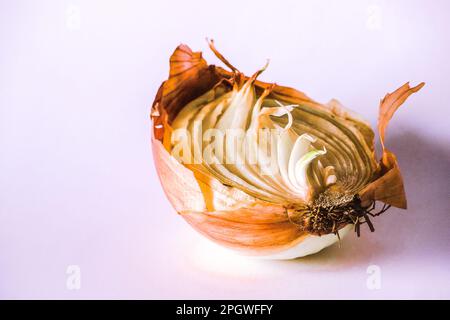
(228, 215)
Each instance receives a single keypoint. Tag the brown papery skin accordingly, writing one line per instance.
(227, 215)
(389, 188)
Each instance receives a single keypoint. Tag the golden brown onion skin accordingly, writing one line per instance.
(225, 214)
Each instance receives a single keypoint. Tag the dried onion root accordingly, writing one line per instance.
(264, 169)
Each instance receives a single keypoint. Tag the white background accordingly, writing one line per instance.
(77, 181)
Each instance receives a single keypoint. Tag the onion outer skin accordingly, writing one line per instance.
(229, 216)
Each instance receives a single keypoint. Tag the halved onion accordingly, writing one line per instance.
(264, 169)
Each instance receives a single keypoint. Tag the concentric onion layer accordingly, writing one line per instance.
(287, 153)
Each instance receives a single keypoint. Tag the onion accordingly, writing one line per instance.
(263, 169)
